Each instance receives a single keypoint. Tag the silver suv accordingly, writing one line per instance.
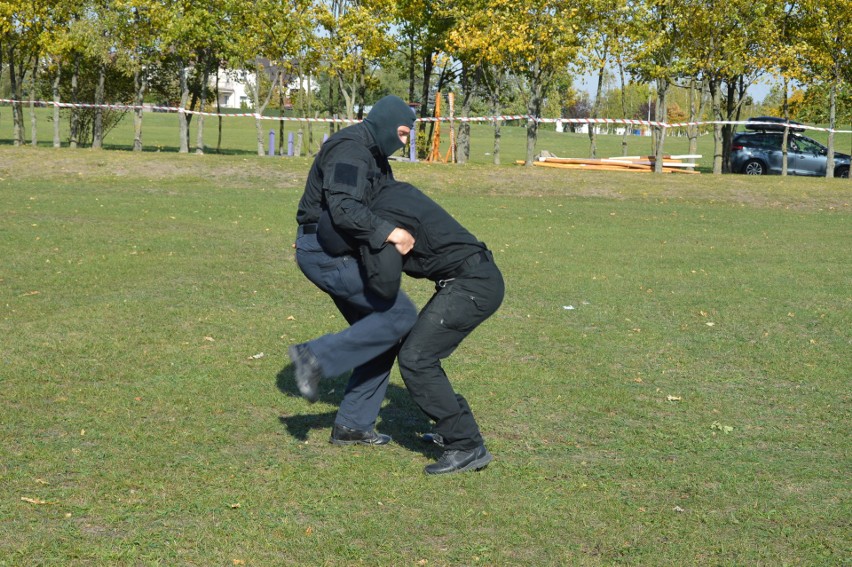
(758, 152)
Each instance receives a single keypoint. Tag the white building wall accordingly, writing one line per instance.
(233, 91)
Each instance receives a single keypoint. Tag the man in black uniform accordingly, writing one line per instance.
(468, 289)
(347, 172)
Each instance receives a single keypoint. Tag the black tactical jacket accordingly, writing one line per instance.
(344, 178)
(441, 245)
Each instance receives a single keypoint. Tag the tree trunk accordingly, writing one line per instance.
(361, 99)
(260, 107)
(17, 111)
(98, 128)
(219, 115)
(199, 133)
(534, 109)
(75, 112)
(716, 105)
(660, 116)
(140, 84)
(463, 138)
(627, 127)
(57, 141)
(33, 120)
(496, 109)
(258, 126)
(1, 56)
(281, 146)
(348, 93)
(832, 121)
(424, 105)
(593, 140)
(182, 116)
(307, 105)
(732, 113)
(497, 136)
(786, 114)
(411, 76)
(332, 106)
(696, 106)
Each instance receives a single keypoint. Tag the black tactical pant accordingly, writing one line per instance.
(454, 311)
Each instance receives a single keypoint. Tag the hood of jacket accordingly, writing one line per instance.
(385, 118)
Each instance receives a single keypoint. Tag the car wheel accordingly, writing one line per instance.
(754, 167)
(842, 172)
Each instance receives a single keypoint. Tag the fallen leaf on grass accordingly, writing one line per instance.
(679, 510)
(673, 398)
(291, 318)
(210, 339)
(719, 427)
(256, 356)
(235, 505)
(31, 293)
(34, 500)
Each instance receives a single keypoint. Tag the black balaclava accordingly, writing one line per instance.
(383, 120)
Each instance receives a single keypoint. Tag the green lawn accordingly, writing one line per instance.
(666, 383)
(160, 133)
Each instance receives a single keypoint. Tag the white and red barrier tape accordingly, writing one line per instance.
(500, 118)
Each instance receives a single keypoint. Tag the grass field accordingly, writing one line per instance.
(691, 407)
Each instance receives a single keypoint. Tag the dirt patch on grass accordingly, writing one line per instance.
(253, 172)
(65, 165)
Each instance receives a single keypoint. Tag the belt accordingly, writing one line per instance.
(470, 262)
(308, 228)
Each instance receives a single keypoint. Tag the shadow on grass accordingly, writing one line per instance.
(400, 417)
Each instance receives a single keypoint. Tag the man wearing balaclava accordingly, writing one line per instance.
(348, 171)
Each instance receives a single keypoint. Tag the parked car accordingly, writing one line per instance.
(757, 151)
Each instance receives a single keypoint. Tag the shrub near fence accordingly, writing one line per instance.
(239, 136)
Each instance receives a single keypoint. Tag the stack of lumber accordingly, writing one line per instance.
(671, 164)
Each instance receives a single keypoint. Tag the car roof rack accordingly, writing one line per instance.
(772, 124)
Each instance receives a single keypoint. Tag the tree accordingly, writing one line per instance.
(656, 30)
(826, 54)
(268, 46)
(97, 31)
(192, 33)
(424, 27)
(21, 25)
(533, 38)
(357, 39)
(139, 25)
(725, 44)
(58, 48)
(605, 39)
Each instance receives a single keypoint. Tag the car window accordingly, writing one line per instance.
(806, 145)
(765, 141)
